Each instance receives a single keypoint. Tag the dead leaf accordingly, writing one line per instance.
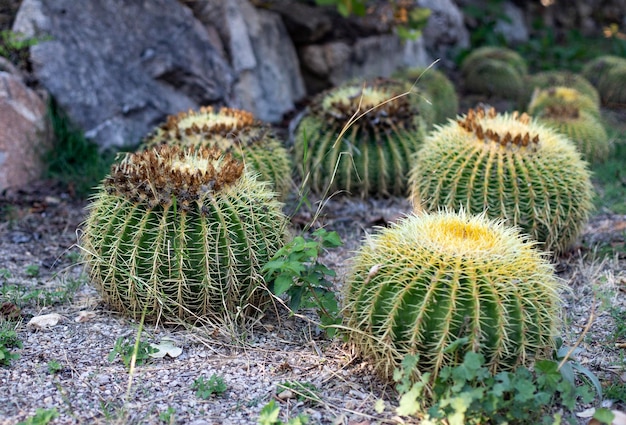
(84, 316)
(9, 311)
(44, 321)
(166, 347)
(286, 395)
(587, 413)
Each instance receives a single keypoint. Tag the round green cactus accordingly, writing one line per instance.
(596, 69)
(499, 54)
(440, 285)
(554, 78)
(372, 155)
(437, 88)
(231, 130)
(562, 98)
(511, 167)
(182, 233)
(612, 86)
(491, 77)
(581, 127)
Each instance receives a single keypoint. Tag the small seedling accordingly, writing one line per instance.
(8, 340)
(295, 271)
(41, 417)
(269, 416)
(54, 367)
(205, 388)
(32, 270)
(126, 351)
(169, 416)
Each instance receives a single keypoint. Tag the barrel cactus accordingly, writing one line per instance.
(581, 127)
(181, 233)
(511, 167)
(444, 284)
(562, 98)
(612, 87)
(547, 79)
(372, 155)
(596, 69)
(438, 89)
(494, 71)
(231, 130)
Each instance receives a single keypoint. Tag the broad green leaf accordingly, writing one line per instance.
(282, 284)
(604, 415)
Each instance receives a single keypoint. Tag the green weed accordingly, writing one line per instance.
(126, 351)
(303, 390)
(54, 367)
(205, 388)
(270, 412)
(73, 160)
(169, 416)
(41, 417)
(8, 340)
(296, 272)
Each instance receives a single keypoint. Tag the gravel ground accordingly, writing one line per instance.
(40, 229)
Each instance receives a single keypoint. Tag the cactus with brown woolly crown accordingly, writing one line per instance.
(441, 285)
(372, 155)
(182, 233)
(231, 130)
(511, 167)
(573, 119)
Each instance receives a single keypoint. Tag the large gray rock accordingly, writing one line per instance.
(268, 81)
(445, 29)
(24, 131)
(513, 29)
(119, 67)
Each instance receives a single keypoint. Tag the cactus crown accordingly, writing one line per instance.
(224, 128)
(159, 175)
(488, 126)
(387, 108)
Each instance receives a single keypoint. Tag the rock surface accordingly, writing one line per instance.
(25, 132)
(118, 68)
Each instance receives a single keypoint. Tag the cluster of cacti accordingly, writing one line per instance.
(360, 138)
(440, 285)
(511, 167)
(574, 115)
(179, 233)
(231, 130)
(437, 88)
(560, 78)
(494, 71)
(608, 73)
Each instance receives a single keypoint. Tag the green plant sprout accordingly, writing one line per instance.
(205, 388)
(126, 351)
(295, 271)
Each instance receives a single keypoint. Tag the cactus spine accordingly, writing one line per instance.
(440, 285)
(373, 155)
(511, 167)
(179, 234)
(232, 130)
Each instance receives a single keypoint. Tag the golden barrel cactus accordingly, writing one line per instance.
(182, 233)
(511, 167)
(371, 155)
(444, 284)
(231, 130)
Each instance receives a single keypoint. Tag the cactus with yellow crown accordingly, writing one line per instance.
(576, 118)
(182, 233)
(555, 78)
(511, 167)
(231, 130)
(372, 156)
(444, 284)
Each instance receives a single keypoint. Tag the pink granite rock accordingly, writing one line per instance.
(24, 133)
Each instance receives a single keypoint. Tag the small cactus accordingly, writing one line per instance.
(499, 54)
(564, 98)
(231, 130)
(372, 155)
(554, 78)
(440, 285)
(596, 69)
(576, 116)
(494, 78)
(612, 87)
(181, 233)
(437, 88)
(511, 167)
